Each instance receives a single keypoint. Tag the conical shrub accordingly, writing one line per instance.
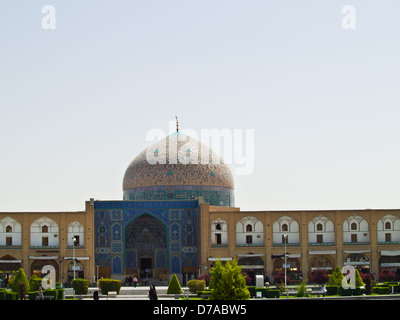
(174, 287)
(20, 277)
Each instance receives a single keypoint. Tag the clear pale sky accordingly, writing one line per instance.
(76, 102)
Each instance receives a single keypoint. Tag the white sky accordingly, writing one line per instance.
(76, 102)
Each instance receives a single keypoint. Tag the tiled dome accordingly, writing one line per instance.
(179, 167)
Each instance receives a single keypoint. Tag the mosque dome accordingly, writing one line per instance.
(179, 167)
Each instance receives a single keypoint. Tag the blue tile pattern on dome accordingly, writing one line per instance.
(194, 172)
(218, 196)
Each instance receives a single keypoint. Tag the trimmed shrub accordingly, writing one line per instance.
(252, 290)
(196, 285)
(81, 286)
(109, 285)
(34, 283)
(394, 285)
(359, 280)
(335, 279)
(60, 294)
(331, 290)
(2, 293)
(20, 277)
(205, 292)
(51, 293)
(174, 287)
(356, 292)
(33, 295)
(273, 293)
(345, 292)
(12, 295)
(380, 290)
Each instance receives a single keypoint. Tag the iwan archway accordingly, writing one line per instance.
(146, 248)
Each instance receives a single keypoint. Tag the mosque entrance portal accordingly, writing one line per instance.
(146, 247)
(145, 267)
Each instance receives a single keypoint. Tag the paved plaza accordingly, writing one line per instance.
(141, 293)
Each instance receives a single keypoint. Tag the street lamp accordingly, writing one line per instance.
(73, 253)
(285, 236)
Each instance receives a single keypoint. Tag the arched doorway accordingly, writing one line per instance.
(8, 266)
(38, 264)
(252, 265)
(79, 270)
(146, 253)
(359, 261)
(321, 262)
(292, 268)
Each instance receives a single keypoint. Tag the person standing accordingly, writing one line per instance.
(153, 293)
(40, 296)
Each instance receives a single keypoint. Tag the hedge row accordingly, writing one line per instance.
(385, 288)
(265, 292)
(339, 290)
(204, 292)
(58, 294)
(380, 290)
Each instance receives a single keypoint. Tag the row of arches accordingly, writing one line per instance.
(10, 265)
(321, 231)
(44, 232)
(298, 268)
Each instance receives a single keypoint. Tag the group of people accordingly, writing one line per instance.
(132, 281)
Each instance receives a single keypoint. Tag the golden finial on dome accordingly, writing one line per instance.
(177, 124)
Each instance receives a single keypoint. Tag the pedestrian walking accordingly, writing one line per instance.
(40, 296)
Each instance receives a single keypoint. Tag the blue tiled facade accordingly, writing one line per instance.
(177, 244)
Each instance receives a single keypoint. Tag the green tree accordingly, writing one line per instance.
(335, 279)
(302, 289)
(174, 287)
(359, 281)
(20, 277)
(228, 282)
(34, 283)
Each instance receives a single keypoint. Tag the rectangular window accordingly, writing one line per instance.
(218, 238)
(320, 238)
(249, 239)
(45, 241)
(76, 241)
(354, 237)
(388, 237)
(8, 241)
(285, 239)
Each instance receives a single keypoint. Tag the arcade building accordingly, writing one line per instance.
(178, 215)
